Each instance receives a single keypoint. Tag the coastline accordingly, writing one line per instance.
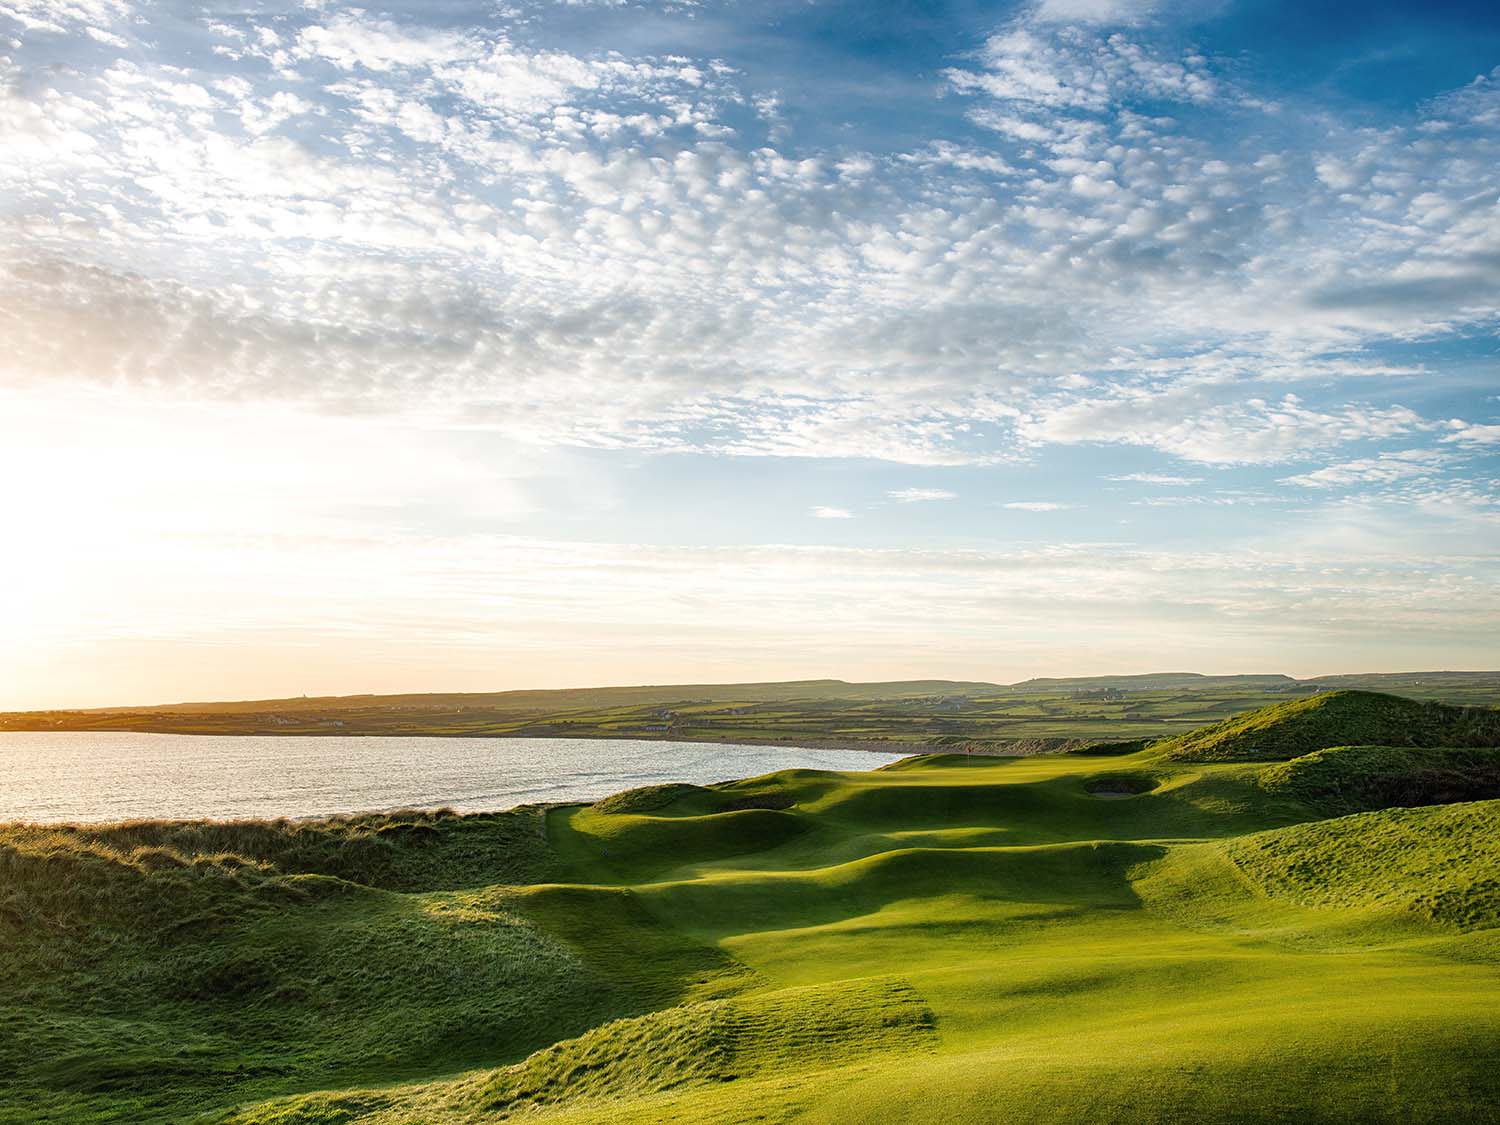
(870, 745)
(1023, 747)
(325, 775)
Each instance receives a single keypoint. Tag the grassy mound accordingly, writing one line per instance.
(1336, 718)
(1442, 863)
(639, 1067)
(1112, 749)
(1131, 936)
(680, 800)
(149, 967)
(650, 798)
(1350, 779)
(718, 1041)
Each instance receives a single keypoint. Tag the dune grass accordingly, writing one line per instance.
(1349, 779)
(1336, 718)
(1110, 937)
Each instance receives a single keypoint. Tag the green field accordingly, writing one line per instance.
(904, 716)
(1254, 923)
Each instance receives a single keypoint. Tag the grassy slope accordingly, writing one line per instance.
(1336, 718)
(949, 939)
(148, 970)
(1349, 779)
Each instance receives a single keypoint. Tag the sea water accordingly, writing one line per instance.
(77, 776)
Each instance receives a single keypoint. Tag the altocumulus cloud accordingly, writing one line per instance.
(462, 221)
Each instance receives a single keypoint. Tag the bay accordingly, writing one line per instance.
(88, 776)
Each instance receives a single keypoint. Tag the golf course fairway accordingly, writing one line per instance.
(1196, 930)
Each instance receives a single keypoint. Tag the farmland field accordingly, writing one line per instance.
(1036, 715)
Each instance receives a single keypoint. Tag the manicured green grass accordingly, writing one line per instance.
(1119, 936)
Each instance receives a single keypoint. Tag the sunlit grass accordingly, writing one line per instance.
(1061, 938)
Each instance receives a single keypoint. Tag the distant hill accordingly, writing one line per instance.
(1401, 681)
(1151, 681)
(1338, 718)
(558, 700)
(564, 698)
(1033, 716)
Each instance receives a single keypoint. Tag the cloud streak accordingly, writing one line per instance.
(920, 495)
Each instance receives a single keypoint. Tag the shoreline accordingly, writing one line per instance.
(450, 808)
(1021, 747)
(870, 745)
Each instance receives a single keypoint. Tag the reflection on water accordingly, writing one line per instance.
(88, 776)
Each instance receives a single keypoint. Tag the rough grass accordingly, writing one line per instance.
(1442, 863)
(1118, 937)
(1336, 718)
(718, 1041)
(646, 1063)
(1349, 779)
(139, 976)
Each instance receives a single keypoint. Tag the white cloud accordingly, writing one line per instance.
(920, 495)
(1336, 174)
(1037, 506)
(1472, 433)
(1033, 66)
(825, 513)
(458, 226)
(1219, 499)
(1154, 478)
(948, 154)
(351, 39)
(1095, 11)
(65, 16)
(1383, 468)
(1187, 422)
(539, 240)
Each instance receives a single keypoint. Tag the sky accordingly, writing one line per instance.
(473, 346)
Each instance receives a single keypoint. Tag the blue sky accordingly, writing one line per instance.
(438, 346)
